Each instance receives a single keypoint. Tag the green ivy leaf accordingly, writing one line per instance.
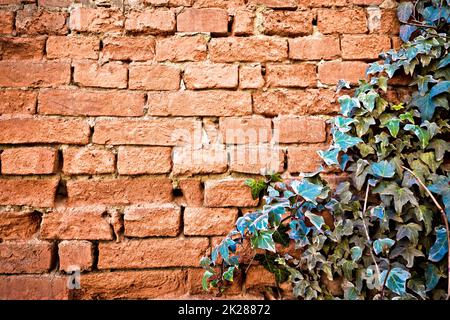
(383, 169)
(432, 276)
(344, 141)
(440, 247)
(408, 253)
(330, 156)
(396, 280)
(356, 253)
(441, 186)
(382, 245)
(423, 134)
(307, 190)
(410, 231)
(263, 240)
(401, 195)
(316, 220)
(257, 187)
(205, 279)
(348, 104)
(228, 275)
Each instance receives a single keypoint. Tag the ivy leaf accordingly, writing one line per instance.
(444, 62)
(377, 212)
(356, 253)
(343, 124)
(299, 232)
(441, 186)
(396, 280)
(257, 187)
(316, 220)
(383, 169)
(401, 195)
(382, 245)
(368, 99)
(407, 252)
(228, 275)
(348, 104)
(432, 276)
(410, 230)
(425, 214)
(263, 240)
(309, 191)
(261, 223)
(418, 287)
(342, 84)
(205, 278)
(330, 156)
(421, 133)
(440, 247)
(344, 141)
(440, 148)
(406, 31)
(404, 11)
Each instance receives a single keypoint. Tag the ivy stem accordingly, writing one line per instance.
(366, 229)
(444, 218)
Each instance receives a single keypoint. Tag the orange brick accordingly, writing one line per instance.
(300, 129)
(342, 21)
(6, 22)
(75, 255)
(21, 48)
(245, 130)
(212, 20)
(28, 192)
(244, 22)
(25, 257)
(32, 21)
(144, 160)
(128, 48)
(331, 72)
(87, 161)
(291, 75)
(190, 161)
(150, 221)
(32, 160)
(151, 21)
(209, 221)
(228, 193)
(72, 47)
(17, 102)
(18, 225)
(92, 74)
(178, 49)
(303, 159)
(34, 287)
(288, 23)
(154, 77)
(96, 20)
(364, 46)
(192, 190)
(250, 77)
(256, 159)
(314, 48)
(211, 76)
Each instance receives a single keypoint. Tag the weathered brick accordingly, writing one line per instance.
(150, 221)
(162, 132)
(367, 2)
(91, 103)
(291, 75)
(245, 130)
(31, 160)
(211, 76)
(300, 129)
(256, 159)
(229, 4)
(119, 191)
(259, 277)
(202, 103)
(6, 22)
(72, 47)
(144, 160)
(75, 255)
(31, 21)
(17, 102)
(250, 77)
(277, 4)
(21, 48)
(288, 23)
(83, 223)
(244, 22)
(97, 20)
(312, 101)
(303, 159)
(154, 77)
(342, 21)
(364, 46)
(192, 190)
(87, 161)
(151, 21)
(178, 49)
(322, 3)
(34, 287)
(190, 161)
(228, 193)
(389, 23)
(55, 3)
(92, 74)
(331, 72)
(152, 253)
(257, 49)
(128, 48)
(43, 130)
(209, 221)
(314, 48)
(146, 284)
(19, 225)
(28, 192)
(25, 257)
(213, 20)
(31, 73)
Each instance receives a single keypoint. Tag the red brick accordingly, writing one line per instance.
(92, 74)
(25, 257)
(314, 48)
(32, 160)
(28, 192)
(6, 22)
(367, 2)
(84, 223)
(151, 22)
(303, 159)
(277, 4)
(55, 3)
(203, 20)
(202, 103)
(256, 159)
(43, 130)
(245, 130)
(244, 23)
(250, 77)
(259, 277)
(162, 132)
(312, 101)
(97, 20)
(179, 49)
(396, 43)
(87, 161)
(192, 190)
(260, 49)
(21, 48)
(150, 221)
(291, 75)
(321, 3)
(128, 48)
(91, 103)
(389, 23)
(342, 21)
(152, 253)
(209, 221)
(229, 4)
(75, 255)
(17, 102)
(364, 46)
(331, 72)
(73, 47)
(154, 77)
(148, 284)
(19, 225)
(33, 287)
(34, 73)
(211, 76)
(180, 3)
(300, 129)
(31, 21)
(228, 193)
(190, 161)
(287, 23)
(119, 191)
(144, 160)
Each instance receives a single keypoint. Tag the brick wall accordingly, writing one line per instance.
(127, 129)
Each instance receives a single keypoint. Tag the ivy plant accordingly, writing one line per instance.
(388, 234)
